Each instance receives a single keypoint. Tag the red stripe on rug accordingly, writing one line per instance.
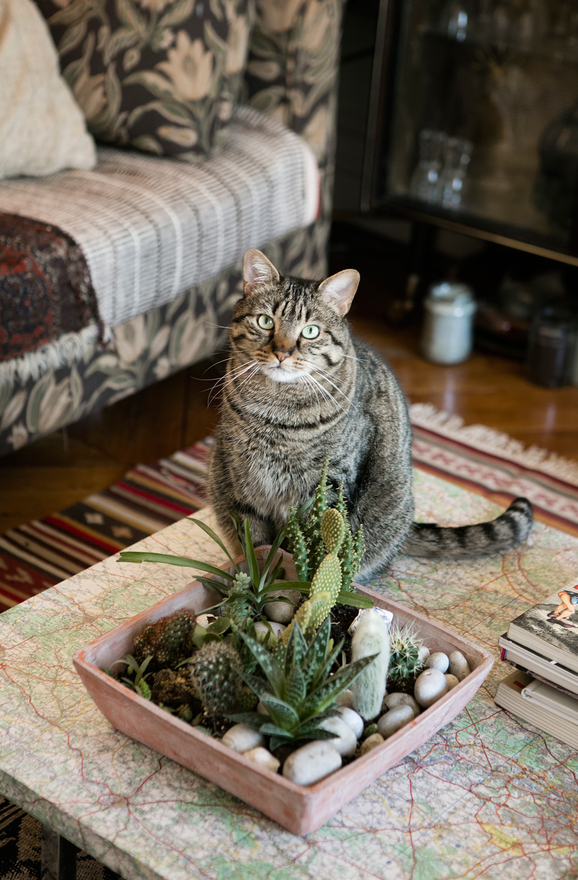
(155, 499)
(68, 527)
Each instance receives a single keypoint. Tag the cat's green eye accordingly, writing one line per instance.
(310, 332)
(265, 322)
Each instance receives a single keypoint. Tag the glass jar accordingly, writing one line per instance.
(550, 347)
(447, 333)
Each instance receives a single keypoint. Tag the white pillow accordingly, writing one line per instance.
(42, 129)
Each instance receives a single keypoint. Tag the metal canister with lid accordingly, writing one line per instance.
(447, 333)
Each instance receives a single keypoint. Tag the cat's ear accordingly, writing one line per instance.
(338, 290)
(258, 271)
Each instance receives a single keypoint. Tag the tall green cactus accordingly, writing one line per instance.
(305, 542)
(326, 583)
(297, 546)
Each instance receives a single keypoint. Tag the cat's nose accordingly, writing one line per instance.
(281, 355)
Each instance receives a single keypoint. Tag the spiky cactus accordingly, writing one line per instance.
(326, 584)
(169, 641)
(370, 638)
(311, 526)
(297, 546)
(304, 537)
(404, 661)
(214, 671)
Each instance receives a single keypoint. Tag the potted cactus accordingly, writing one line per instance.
(211, 681)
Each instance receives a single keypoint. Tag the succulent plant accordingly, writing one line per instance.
(247, 594)
(169, 641)
(214, 671)
(174, 689)
(370, 637)
(298, 691)
(404, 661)
(136, 675)
(304, 536)
(326, 584)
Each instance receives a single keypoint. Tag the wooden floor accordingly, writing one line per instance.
(64, 467)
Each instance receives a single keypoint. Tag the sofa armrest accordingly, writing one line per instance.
(292, 74)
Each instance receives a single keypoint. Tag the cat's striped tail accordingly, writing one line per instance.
(462, 542)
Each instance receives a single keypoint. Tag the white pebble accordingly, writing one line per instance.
(459, 666)
(312, 762)
(396, 699)
(371, 742)
(353, 719)
(451, 680)
(278, 628)
(282, 612)
(430, 685)
(394, 720)
(261, 709)
(241, 738)
(423, 654)
(263, 758)
(345, 699)
(346, 741)
(205, 620)
(439, 660)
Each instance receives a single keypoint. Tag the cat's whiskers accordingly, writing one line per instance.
(327, 379)
(326, 394)
(235, 374)
(249, 377)
(309, 382)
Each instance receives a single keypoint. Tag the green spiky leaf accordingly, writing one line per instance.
(134, 556)
(268, 664)
(281, 712)
(327, 692)
(209, 531)
(251, 719)
(250, 555)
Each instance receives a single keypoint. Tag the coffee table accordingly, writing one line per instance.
(486, 796)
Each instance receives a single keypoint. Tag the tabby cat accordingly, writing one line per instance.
(299, 387)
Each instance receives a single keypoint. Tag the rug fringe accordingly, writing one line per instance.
(425, 415)
(63, 351)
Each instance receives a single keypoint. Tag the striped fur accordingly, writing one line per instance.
(289, 401)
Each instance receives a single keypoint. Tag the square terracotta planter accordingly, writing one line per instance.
(297, 808)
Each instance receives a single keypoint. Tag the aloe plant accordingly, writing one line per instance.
(297, 689)
(246, 595)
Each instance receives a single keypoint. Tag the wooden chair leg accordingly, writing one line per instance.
(58, 859)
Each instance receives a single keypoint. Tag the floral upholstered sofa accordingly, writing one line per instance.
(208, 141)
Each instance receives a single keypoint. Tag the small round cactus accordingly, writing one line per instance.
(213, 671)
(169, 641)
(405, 661)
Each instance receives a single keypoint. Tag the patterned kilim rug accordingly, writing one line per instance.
(150, 497)
(44, 552)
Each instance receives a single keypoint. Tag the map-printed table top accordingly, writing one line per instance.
(488, 796)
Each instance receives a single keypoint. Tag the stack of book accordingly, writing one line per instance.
(542, 643)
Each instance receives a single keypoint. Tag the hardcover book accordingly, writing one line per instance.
(541, 705)
(551, 627)
(538, 666)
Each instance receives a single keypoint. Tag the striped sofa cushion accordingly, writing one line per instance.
(151, 228)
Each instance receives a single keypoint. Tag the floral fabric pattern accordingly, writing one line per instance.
(158, 75)
(291, 75)
(143, 350)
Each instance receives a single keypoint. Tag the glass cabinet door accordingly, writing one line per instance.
(484, 116)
